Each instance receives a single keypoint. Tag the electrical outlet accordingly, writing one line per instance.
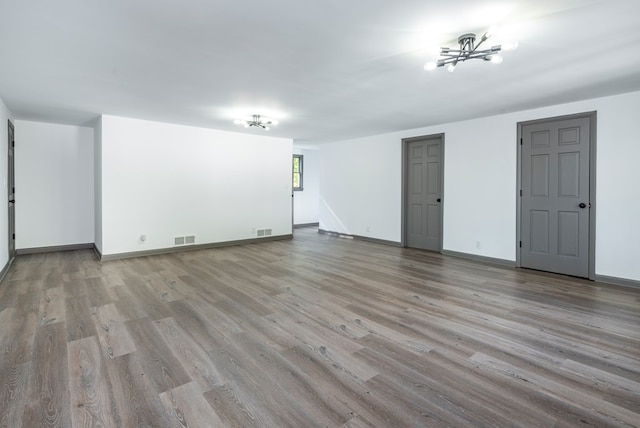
(143, 239)
(478, 245)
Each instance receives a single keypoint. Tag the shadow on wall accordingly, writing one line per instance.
(329, 221)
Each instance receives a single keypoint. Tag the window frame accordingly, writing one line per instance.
(300, 172)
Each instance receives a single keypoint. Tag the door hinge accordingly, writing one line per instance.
(520, 141)
(520, 244)
(520, 192)
(13, 143)
(14, 236)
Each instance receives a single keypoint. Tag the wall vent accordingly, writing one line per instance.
(264, 232)
(184, 240)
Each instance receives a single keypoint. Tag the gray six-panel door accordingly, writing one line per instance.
(423, 219)
(555, 196)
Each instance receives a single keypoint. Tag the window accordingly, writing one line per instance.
(297, 172)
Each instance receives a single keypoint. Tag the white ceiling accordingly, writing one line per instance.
(331, 69)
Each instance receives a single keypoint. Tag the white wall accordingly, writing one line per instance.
(163, 180)
(5, 116)
(360, 184)
(54, 185)
(97, 184)
(480, 183)
(307, 201)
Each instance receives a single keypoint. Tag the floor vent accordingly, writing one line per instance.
(190, 239)
(178, 240)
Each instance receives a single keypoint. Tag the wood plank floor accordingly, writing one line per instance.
(312, 332)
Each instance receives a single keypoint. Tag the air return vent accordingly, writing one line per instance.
(263, 232)
(184, 240)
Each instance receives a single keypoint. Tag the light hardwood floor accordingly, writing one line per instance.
(314, 331)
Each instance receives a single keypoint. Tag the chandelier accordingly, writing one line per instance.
(468, 49)
(256, 120)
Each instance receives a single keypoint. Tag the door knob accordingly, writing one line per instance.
(438, 199)
(12, 201)
(582, 205)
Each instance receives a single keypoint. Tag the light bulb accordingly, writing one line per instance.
(492, 31)
(246, 125)
(266, 128)
(238, 122)
(431, 65)
(510, 46)
(274, 122)
(496, 59)
(451, 68)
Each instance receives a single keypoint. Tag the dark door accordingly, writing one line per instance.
(555, 196)
(424, 181)
(11, 191)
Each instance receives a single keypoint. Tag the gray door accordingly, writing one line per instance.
(555, 196)
(424, 181)
(11, 191)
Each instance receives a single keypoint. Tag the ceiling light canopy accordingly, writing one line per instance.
(257, 121)
(468, 49)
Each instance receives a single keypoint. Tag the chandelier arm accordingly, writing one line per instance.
(464, 48)
(457, 58)
(463, 56)
(452, 53)
(443, 62)
(478, 45)
(481, 54)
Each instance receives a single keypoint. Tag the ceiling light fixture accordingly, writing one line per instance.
(469, 50)
(256, 120)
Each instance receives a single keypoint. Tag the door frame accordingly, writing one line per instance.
(592, 115)
(11, 219)
(405, 186)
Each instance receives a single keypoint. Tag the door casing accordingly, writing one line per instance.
(592, 184)
(405, 185)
